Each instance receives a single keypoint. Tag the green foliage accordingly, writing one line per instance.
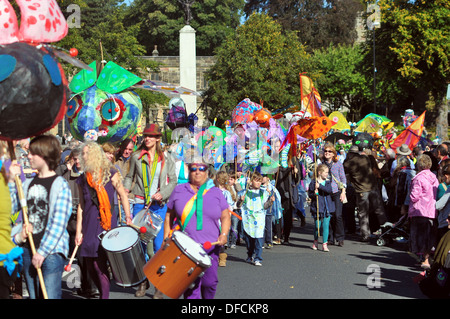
(161, 21)
(342, 82)
(319, 23)
(102, 23)
(414, 39)
(260, 62)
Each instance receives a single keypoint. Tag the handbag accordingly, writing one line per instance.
(340, 187)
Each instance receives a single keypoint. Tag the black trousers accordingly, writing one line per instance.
(6, 282)
(287, 218)
(337, 230)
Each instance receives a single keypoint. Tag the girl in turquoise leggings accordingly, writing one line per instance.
(320, 193)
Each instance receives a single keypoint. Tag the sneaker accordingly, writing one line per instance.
(249, 260)
(314, 246)
(325, 247)
(258, 263)
(233, 246)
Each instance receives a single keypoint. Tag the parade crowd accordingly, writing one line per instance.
(74, 191)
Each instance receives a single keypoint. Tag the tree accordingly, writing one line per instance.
(118, 43)
(161, 21)
(259, 62)
(102, 25)
(342, 82)
(319, 23)
(415, 35)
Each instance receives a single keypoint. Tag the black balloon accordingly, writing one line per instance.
(33, 92)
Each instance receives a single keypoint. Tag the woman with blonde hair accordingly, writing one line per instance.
(97, 185)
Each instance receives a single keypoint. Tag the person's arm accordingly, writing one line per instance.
(326, 187)
(79, 231)
(225, 222)
(165, 192)
(416, 192)
(122, 196)
(440, 204)
(168, 222)
(59, 215)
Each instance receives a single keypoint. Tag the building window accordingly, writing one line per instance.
(155, 77)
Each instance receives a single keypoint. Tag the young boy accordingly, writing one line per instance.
(49, 201)
(254, 203)
(320, 193)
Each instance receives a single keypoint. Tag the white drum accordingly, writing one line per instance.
(151, 221)
(125, 255)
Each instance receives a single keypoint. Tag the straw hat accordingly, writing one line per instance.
(403, 150)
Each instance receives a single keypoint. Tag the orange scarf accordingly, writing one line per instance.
(103, 200)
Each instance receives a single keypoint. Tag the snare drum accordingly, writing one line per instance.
(151, 221)
(177, 264)
(125, 255)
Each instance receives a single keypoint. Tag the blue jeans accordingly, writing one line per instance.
(234, 231)
(254, 247)
(52, 270)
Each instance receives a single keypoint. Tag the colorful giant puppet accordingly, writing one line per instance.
(105, 103)
(33, 87)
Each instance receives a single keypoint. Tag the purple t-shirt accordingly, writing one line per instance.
(213, 204)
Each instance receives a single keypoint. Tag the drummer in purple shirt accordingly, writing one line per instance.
(210, 223)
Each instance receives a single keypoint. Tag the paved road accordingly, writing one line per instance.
(355, 271)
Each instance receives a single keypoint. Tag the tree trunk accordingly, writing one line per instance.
(442, 119)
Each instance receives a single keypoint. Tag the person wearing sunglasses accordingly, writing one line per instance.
(338, 187)
(209, 222)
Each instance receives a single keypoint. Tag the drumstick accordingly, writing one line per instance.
(141, 229)
(69, 265)
(208, 244)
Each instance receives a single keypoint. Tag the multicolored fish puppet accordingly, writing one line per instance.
(106, 102)
(244, 112)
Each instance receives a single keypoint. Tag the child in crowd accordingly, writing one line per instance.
(322, 205)
(221, 181)
(236, 213)
(49, 201)
(255, 201)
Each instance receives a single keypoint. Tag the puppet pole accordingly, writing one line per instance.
(23, 203)
(317, 195)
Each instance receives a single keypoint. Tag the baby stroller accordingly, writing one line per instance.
(390, 233)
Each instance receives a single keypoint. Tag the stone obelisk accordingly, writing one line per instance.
(188, 59)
